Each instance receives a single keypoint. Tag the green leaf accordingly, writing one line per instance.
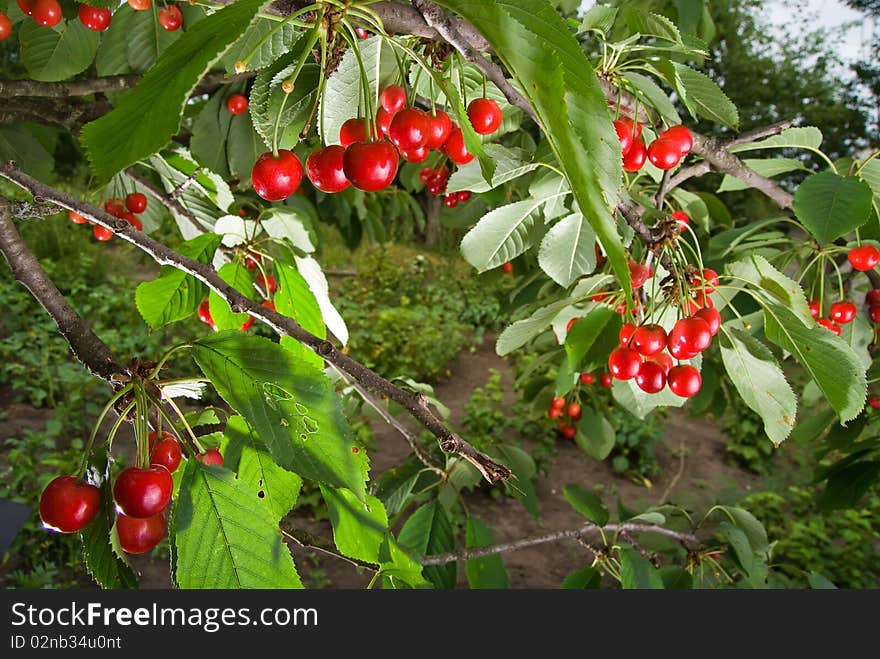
(145, 40)
(175, 295)
(262, 43)
(428, 531)
(294, 298)
(826, 357)
(741, 547)
(585, 332)
(650, 92)
(830, 206)
(805, 137)
(587, 504)
(675, 578)
(122, 137)
(650, 24)
(596, 435)
(359, 527)
(637, 572)
(19, 144)
(820, 582)
(56, 53)
(568, 250)
(286, 223)
(112, 56)
(599, 18)
(749, 525)
(538, 49)
(486, 571)
(225, 143)
(291, 405)
(761, 383)
(764, 167)
(847, 486)
(773, 286)
(237, 276)
(225, 536)
(510, 163)
(703, 96)
(586, 577)
(277, 488)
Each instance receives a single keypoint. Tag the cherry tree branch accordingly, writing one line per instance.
(74, 88)
(415, 403)
(171, 202)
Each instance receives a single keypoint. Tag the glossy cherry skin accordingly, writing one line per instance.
(383, 122)
(664, 154)
(574, 411)
(455, 148)
(415, 155)
(353, 130)
(567, 431)
(707, 280)
(684, 381)
(872, 296)
(651, 377)
(874, 401)
(507, 268)
(5, 27)
(324, 169)
(267, 282)
(370, 166)
(170, 18)
(393, 99)
(842, 312)
(95, 18)
(142, 492)
(439, 128)
(47, 12)
(639, 273)
(691, 334)
(814, 308)
(681, 136)
(274, 178)
(76, 218)
(140, 5)
(140, 535)
(626, 333)
(648, 340)
(114, 206)
(682, 218)
(587, 378)
(606, 380)
(874, 312)
(830, 325)
(136, 202)
(624, 132)
(102, 233)
(635, 158)
(557, 403)
(864, 258)
(663, 359)
(624, 363)
(205, 313)
(166, 452)
(237, 104)
(26, 6)
(712, 317)
(554, 413)
(68, 504)
(409, 129)
(485, 115)
(211, 457)
(361, 32)
(680, 353)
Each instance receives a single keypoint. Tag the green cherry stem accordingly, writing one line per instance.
(91, 442)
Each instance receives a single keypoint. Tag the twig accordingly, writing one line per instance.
(170, 202)
(74, 88)
(309, 541)
(662, 189)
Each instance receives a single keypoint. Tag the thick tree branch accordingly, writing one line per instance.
(74, 88)
(170, 202)
(414, 402)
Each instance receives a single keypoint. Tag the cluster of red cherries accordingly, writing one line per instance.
(141, 496)
(665, 152)
(128, 210)
(435, 181)
(370, 164)
(266, 284)
(567, 413)
(47, 13)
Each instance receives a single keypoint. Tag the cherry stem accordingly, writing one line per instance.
(867, 160)
(88, 447)
(367, 88)
(310, 41)
(288, 20)
(142, 424)
(194, 444)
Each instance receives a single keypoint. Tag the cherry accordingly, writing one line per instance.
(814, 308)
(426, 174)
(554, 413)
(682, 218)
(712, 317)
(606, 380)
(165, 452)
(684, 381)
(587, 378)
(267, 282)
(393, 99)
(872, 296)
(140, 5)
(353, 130)
(68, 504)
(624, 363)
(707, 280)
(663, 359)
(648, 340)
(276, 178)
(454, 148)
(132, 220)
(463, 195)
(246, 325)
(102, 233)
(626, 333)
(439, 128)
(142, 492)
(170, 18)
(47, 12)
(383, 121)
(205, 315)
(830, 325)
(370, 166)
(874, 401)
(361, 32)
(664, 153)
(864, 258)
(574, 411)
(409, 129)
(76, 218)
(5, 27)
(680, 136)
(842, 312)
(138, 536)
(623, 128)
(415, 155)
(237, 104)
(252, 260)
(136, 202)
(269, 304)
(570, 324)
(567, 431)
(507, 268)
(691, 334)
(114, 206)
(635, 158)
(95, 18)
(485, 115)
(324, 169)
(651, 377)
(211, 457)
(701, 301)
(557, 403)
(639, 274)
(26, 6)
(874, 312)
(681, 353)
(451, 200)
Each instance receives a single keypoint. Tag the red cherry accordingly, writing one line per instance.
(140, 535)
(700, 301)
(664, 154)
(574, 411)
(651, 377)
(872, 296)
(815, 308)
(587, 378)
(648, 340)
(140, 5)
(114, 206)
(415, 155)
(170, 18)
(132, 220)
(680, 136)
(353, 130)
(246, 325)
(454, 148)
(361, 32)
(626, 333)
(663, 359)
(26, 6)
(874, 401)
(237, 104)
(370, 166)
(205, 313)
(554, 413)
(567, 431)
(68, 504)
(463, 195)
(507, 268)
(324, 169)
(684, 381)
(47, 12)
(830, 325)
(606, 380)
(269, 304)
(451, 200)
(276, 178)
(142, 492)
(691, 334)
(136, 202)
(383, 121)
(409, 129)
(557, 403)
(393, 98)
(842, 312)
(165, 452)
(439, 128)
(426, 174)
(623, 128)
(76, 218)
(707, 280)
(639, 274)
(680, 353)
(712, 317)
(211, 457)
(682, 218)
(864, 258)
(95, 18)
(485, 115)
(635, 158)
(5, 26)
(624, 363)
(874, 312)
(267, 282)
(102, 233)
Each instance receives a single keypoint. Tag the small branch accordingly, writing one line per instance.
(686, 173)
(308, 541)
(74, 88)
(169, 201)
(662, 189)
(689, 540)
(760, 133)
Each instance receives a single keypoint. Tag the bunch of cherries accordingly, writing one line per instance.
(135, 203)
(665, 152)
(47, 13)
(567, 413)
(266, 285)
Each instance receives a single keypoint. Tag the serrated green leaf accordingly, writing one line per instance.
(587, 504)
(225, 143)
(225, 537)
(772, 285)
(239, 277)
(428, 531)
(568, 250)
(486, 571)
(805, 137)
(510, 163)
(595, 436)
(295, 299)
(651, 93)
(55, 53)
(650, 24)
(763, 166)
(586, 577)
(599, 18)
(261, 44)
(703, 96)
(636, 572)
(291, 405)
(359, 527)
(830, 206)
(112, 56)
(585, 332)
(123, 137)
(146, 40)
(18, 144)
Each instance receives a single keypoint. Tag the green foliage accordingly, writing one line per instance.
(634, 442)
(747, 442)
